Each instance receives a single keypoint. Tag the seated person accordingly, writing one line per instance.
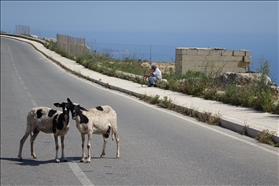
(154, 76)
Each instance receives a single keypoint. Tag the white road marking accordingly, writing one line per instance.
(33, 102)
(28, 93)
(79, 173)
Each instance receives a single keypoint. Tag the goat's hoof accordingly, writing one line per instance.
(20, 158)
(82, 160)
(88, 160)
(57, 161)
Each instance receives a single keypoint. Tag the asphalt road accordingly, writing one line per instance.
(157, 146)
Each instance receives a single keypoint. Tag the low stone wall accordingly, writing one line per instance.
(211, 60)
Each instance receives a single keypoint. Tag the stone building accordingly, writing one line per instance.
(211, 60)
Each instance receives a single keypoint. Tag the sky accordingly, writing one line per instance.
(234, 25)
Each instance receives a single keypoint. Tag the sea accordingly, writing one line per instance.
(160, 47)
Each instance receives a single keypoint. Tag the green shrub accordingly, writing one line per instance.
(264, 101)
(166, 103)
(275, 108)
(195, 87)
(155, 100)
(211, 94)
(193, 74)
(174, 85)
(236, 95)
(247, 97)
(143, 97)
(232, 95)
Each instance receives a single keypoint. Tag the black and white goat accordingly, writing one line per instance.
(48, 121)
(98, 120)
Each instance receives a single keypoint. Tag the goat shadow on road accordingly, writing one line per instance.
(37, 162)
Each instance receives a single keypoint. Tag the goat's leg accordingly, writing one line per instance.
(88, 147)
(32, 139)
(56, 148)
(21, 145)
(62, 148)
(105, 138)
(82, 146)
(27, 133)
(117, 144)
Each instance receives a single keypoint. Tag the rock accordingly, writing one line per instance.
(243, 78)
(275, 88)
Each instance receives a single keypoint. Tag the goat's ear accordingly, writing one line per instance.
(57, 105)
(69, 101)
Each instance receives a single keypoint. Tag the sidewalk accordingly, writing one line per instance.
(232, 117)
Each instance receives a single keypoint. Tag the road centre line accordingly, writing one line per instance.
(79, 173)
(72, 164)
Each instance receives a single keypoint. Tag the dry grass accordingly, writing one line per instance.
(267, 137)
(167, 103)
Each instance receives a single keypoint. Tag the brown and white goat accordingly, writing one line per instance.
(99, 120)
(48, 121)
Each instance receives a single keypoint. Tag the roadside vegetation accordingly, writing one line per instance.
(267, 137)
(258, 96)
(167, 103)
